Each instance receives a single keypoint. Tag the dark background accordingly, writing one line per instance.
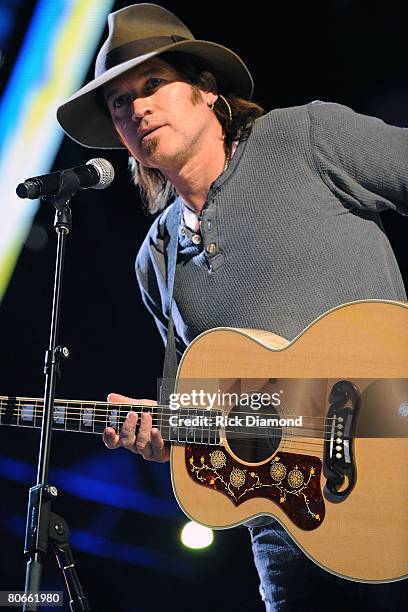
(125, 522)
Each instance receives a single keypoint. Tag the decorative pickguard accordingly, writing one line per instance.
(290, 480)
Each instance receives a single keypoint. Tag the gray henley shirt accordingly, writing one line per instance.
(289, 230)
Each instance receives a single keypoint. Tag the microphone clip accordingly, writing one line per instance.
(69, 185)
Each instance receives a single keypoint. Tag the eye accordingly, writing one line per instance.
(152, 83)
(120, 101)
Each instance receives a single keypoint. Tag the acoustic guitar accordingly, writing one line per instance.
(312, 432)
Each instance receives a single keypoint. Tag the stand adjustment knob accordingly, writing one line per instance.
(62, 351)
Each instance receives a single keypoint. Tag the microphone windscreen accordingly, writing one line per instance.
(105, 171)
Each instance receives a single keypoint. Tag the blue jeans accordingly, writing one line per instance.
(290, 582)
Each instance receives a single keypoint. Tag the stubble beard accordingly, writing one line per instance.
(150, 147)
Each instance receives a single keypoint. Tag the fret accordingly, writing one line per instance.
(18, 415)
(139, 413)
(113, 417)
(182, 434)
(160, 425)
(72, 416)
(27, 412)
(208, 429)
(81, 411)
(59, 416)
(213, 433)
(207, 426)
(38, 412)
(196, 432)
(93, 417)
(9, 411)
(200, 417)
(190, 429)
(87, 416)
(211, 429)
(121, 417)
(173, 429)
(165, 414)
(100, 420)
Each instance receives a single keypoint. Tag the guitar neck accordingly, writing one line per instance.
(93, 417)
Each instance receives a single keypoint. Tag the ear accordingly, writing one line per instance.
(210, 97)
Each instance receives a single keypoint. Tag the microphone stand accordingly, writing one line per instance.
(43, 527)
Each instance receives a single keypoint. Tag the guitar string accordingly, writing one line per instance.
(122, 407)
(104, 417)
(287, 445)
(293, 444)
(279, 449)
(157, 419)
(205, 437)
(93, 405)
(293, 439)
(129, 407)
(201, 431)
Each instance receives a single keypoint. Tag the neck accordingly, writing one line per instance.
(93, 417)
(193, 180)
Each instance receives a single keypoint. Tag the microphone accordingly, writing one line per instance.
(97, 173)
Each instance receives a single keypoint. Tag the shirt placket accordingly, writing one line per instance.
(210, 235)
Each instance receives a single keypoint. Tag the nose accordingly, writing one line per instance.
(140, 108)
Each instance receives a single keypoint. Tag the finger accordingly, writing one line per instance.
(116, 398)
(143, 444)
(127, 435)
(160, 451)
(111, 438)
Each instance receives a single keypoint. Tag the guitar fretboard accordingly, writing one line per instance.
(93, 417)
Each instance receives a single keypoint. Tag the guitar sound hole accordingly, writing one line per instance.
(248, 441)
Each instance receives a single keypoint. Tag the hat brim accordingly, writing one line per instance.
(86, 120)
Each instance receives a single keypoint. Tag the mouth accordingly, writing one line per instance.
(146, 135)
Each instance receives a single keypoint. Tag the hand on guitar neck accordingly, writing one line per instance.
(147, 442)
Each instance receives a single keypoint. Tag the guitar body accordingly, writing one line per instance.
(326, 454)
(362, 536)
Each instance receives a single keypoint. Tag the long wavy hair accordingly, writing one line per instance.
(156, 190)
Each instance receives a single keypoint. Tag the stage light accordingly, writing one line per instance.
(52, 63)
(196, 536)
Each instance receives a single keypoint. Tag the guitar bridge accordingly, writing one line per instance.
(338, 465)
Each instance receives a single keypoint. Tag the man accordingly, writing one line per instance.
(278, 223)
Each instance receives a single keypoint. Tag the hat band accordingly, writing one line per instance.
(133, 49)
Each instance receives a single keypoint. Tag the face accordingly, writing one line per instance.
(161, 119)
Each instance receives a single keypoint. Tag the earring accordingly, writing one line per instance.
(210, 106)
(228, 105)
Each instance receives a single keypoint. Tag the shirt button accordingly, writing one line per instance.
(196, 239)
(211, 248)
(182, 232)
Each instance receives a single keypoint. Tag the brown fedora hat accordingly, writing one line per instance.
(137, 33)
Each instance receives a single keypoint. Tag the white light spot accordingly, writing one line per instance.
(59, 415)
(27, 412)
(403, 410)
(194, 535)
(113, 418)
(87, 416)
